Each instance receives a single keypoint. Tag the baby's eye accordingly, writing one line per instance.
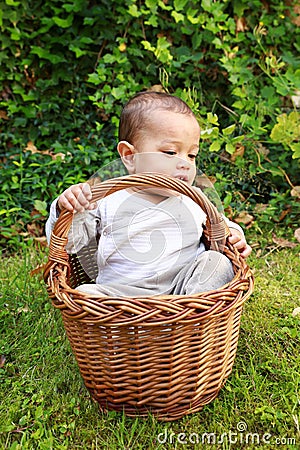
(169, 152)
(192, 156)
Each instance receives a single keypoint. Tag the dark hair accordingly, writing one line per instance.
(136, 112)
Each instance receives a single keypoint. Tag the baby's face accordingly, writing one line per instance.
(168, 145)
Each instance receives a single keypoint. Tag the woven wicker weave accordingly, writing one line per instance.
(166, 354)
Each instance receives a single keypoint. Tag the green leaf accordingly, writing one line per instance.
(229, 130)
(12, 3)
(96, 78)
(238, 104)
(76, 6)
(227, 200)
(63, 23)
(148, 46)
(207, 5)
(89, 20)
(133, 11)
(209, 133)
(215, 146)
(194, 17)
(296, 149)
(152, 21)
(118, 92)
(163, 5)
(41, 207)
(287, 128)
(230, 148)
(237, 139)
(151, 4)
(78, 51)
(268, 91)
(239, 7)
(179, 5)
(212, 118)
(281, 87)
(239, 92)
(15, 34)
(46, 54)
(178, 17)
(86, 40)
(162, 53)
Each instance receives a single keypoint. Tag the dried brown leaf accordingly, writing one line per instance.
(3, 115)
(157, 88)
(38, 269)
(241, 24)
(295, 192)
(283, 242)
(24, 309)
(42, 240)
(2, 361)
(35, 229)
(296, 312)
(262, 150)
(229, 212)
(260, 207)
(296, 99)
(239, 151)
(33, 149)
(58, 155)
(244, 218)
(284, 213)
(258, 253)
(296, 19)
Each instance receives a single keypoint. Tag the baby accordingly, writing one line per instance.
(149, 240)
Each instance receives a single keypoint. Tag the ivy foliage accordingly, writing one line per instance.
(67, 67)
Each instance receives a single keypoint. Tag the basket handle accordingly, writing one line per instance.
(216, 230)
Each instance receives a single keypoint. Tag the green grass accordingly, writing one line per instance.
(44, 404)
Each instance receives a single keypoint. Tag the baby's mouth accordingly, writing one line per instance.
(182, 177)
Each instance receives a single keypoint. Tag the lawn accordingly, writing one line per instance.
(44, 404)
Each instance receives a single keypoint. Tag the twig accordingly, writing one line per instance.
(268, 170)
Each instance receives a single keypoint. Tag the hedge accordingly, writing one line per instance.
(67, 67)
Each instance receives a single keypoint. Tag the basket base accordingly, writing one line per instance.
(163, 415)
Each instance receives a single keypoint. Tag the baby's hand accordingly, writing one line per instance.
(77, 198)
(239, 242)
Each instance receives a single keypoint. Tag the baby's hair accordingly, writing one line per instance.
(137, 110)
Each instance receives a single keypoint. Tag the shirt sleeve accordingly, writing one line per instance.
(53, 216)
(234, 225)
(85, 228)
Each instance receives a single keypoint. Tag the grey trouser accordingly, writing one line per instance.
(210, 271)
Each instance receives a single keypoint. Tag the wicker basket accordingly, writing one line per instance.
(166, 354)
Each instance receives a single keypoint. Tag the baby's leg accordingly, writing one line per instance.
(211, 271)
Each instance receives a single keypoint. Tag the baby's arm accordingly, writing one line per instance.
(238, 240)
(76, 198)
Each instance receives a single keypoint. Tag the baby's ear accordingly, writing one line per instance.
(127, 152)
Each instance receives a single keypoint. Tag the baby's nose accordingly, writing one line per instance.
(183, 164)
